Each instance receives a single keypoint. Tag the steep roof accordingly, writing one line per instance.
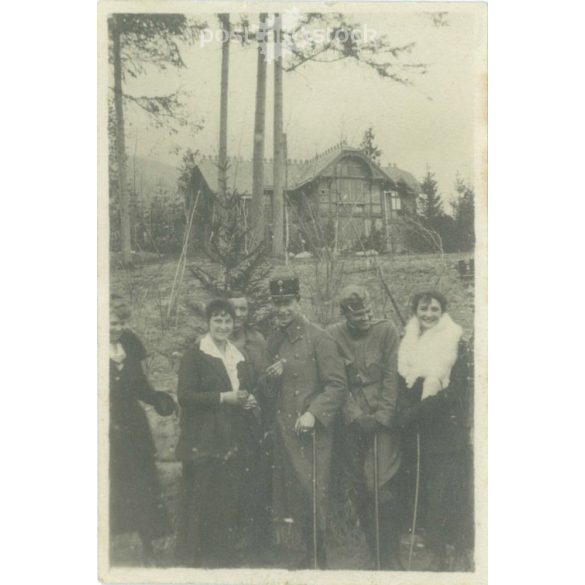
(299, 172)
(398, 175)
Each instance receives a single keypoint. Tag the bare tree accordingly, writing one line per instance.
(224, 20)
(257, 207)
(278, 182)
(123, 195)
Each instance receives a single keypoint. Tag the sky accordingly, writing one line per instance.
(427, 125)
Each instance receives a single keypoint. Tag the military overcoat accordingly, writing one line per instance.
(313, 380)
(373, 390)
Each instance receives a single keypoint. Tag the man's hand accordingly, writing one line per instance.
(305, 423)
(250, 403)
(276, 368)
(353, 376)
(367, 423)
(235, 398)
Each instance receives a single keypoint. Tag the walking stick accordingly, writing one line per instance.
(416, 488)
(376, 502)
(314, 500)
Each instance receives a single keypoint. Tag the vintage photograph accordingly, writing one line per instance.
(292, 210)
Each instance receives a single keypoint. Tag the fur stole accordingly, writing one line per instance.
(430, 355)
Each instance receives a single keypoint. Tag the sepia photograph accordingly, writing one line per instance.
(292, 205)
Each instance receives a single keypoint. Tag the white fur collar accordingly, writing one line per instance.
(429, 355)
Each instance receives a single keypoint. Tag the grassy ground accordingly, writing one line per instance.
(148, 289)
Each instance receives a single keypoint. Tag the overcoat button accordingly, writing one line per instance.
(297, 355)
(297, 392)
(295, 375)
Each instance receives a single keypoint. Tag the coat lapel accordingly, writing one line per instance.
(217, 369)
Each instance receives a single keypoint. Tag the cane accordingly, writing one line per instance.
(376, 502)
(314, 499)
(416, 488)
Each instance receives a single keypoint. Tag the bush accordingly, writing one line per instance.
(157, 225)
(376, 240)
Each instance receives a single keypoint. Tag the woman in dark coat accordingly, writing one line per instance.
(435, 404)
(214, 425)
(135, 495)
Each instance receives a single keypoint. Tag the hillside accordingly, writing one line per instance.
(148, 288)
(151, 176)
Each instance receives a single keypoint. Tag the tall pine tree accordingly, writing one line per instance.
(368, 147)
(233, 267)
(139, 41)
(431, 205)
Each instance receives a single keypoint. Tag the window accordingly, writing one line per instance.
(393, 204)
(349, 167)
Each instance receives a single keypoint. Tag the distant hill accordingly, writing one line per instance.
(151, 176)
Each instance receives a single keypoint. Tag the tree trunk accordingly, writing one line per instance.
(257, 206)
(285, 197)
(123, 195)
(223, 108)
(278, 179)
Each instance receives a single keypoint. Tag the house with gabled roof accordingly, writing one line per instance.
(341, 193)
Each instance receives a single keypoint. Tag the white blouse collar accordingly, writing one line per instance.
(230, 359)
(232, 353)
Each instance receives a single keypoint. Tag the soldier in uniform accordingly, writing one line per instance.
(308, 385)
(369, 349)
(256, 509)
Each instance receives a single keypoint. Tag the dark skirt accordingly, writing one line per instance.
(208, 522)
(136, 503)
(445, 508)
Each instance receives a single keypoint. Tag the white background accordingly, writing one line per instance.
(536, 305)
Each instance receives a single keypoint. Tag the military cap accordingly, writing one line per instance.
(286, 285)
(354, 298)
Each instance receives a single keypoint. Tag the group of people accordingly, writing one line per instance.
(262, 421)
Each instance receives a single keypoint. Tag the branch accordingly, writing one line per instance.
(345, 42)
(164, 108)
